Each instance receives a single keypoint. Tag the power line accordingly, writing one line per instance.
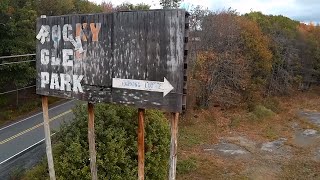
(13, 56)
(27, 87)
(17, 62)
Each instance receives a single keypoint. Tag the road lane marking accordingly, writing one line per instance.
(34, 127)
(24, 150)
(34, 115)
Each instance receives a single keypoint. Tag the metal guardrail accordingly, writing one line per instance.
(13, 56)
(27, 87)
(16, 62)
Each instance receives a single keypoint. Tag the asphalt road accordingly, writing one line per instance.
(23, 136)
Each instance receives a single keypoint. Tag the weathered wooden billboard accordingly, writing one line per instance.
(136, 58)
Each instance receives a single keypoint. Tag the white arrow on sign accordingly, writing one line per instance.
(143, 85)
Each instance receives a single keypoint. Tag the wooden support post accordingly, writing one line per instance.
(173, 146)
(48, 137)
(91, 138)
(141, 144)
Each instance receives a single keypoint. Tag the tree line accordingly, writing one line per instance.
(240, 59)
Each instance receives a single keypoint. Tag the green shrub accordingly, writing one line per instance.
(37, 173)
(259, 113)
(52, 99)
(271, 133)
(235, 122)
(3, 100)
(272, 104)
(6, 115)
(252, 117)
(116, 144)
(262, 112)
(16, 173)
(29, 106)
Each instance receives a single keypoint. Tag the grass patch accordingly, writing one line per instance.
(11, 113)
(271, 133)
(186, 166)
(188, 138)
(235, 121)
(301, 169)
(16, 174)
(6, 115)
(196, 131)
(209, 167)
(29, 106)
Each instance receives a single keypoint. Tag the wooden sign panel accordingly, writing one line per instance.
(136, 58)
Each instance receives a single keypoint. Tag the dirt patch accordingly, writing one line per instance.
(317, 154)
(304, 138)
(227, 150)
(263, 172)
(230, 144)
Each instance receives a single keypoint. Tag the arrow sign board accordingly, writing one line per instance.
(136, 58)
(165, 87)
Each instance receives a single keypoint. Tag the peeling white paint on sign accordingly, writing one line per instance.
(43, 34)
(63, 81)
(56, 35)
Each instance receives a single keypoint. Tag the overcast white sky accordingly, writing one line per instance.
(302, 10)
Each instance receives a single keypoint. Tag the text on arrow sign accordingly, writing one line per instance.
(143, 85)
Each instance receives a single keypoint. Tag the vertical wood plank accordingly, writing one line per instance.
(141, 144)
(48, 137)
(92, 148)
(151, 44)
(106, 29)
(173, 146)
(142, 55)
(164, 40)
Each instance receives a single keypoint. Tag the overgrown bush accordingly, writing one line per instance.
(116, 144)
(273, 104)
(260, 112)
(221, 79)
(37, 173)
